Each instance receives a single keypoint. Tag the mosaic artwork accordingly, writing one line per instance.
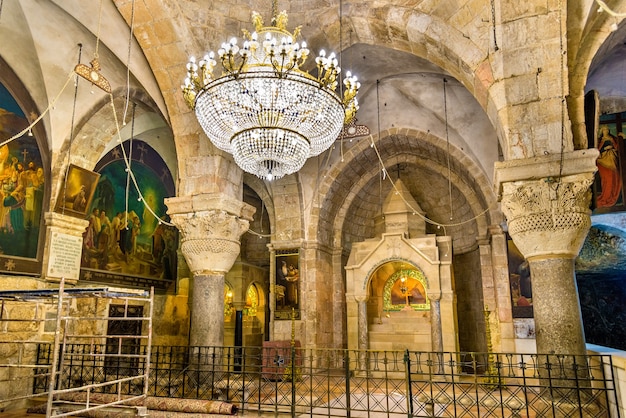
(406, 289)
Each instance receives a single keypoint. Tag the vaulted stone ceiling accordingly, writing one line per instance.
(402, 88)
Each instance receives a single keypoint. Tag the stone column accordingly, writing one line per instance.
(363, 333)
(548, 219)
(272, 289)
(211, 226)
(436, 334)
(63, 225)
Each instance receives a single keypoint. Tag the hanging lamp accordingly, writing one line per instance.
(260, 105)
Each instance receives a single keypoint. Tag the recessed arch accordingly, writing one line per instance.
(360, 170)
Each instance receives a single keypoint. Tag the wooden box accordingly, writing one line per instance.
(277, 359)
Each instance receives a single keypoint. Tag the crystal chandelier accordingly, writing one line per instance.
(264, 109)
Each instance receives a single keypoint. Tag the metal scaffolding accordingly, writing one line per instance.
(21, 369)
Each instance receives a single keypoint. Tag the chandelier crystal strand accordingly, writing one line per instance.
(263, 109)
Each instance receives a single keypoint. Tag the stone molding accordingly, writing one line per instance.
(434, 296)
(209, 201)
(544, 167)
(548, 217)
(70, 225)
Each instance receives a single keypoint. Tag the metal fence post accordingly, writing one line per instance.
(409, 386)
(293, 380)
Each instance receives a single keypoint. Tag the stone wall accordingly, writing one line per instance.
(469, 302)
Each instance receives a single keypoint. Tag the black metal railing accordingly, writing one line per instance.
(319, 382)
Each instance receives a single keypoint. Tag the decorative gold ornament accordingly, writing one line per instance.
(93, 75)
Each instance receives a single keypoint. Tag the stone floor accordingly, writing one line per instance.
(18, 413)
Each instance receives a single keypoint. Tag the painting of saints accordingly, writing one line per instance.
(21, 182)
(608, 169)
(287, 283)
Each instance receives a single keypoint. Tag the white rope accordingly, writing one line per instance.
(50, 106)
(130, 172)
(605, 8)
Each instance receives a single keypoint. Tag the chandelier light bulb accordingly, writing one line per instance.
(261, 107)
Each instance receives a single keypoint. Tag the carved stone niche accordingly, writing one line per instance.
(380, 268)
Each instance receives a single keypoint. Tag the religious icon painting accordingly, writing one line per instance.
(520, 282)
(77, 191)
(608, 188)
(406, 290)
(22, 187)
(287, 295)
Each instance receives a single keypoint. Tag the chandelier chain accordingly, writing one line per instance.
(98, 31)
(445, 110)
(493, 24)
(130, 43)
(71, 141)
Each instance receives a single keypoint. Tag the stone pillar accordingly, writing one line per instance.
(211, 226)
(338, 300)
(56, 224)
(272, 289)
(436, 333)
(548, 219)
(363, 333)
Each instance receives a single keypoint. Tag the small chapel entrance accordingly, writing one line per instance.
(400, 284)
(398, 309)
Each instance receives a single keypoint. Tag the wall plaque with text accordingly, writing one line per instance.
(65, 253)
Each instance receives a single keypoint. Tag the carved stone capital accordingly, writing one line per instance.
(210, 240)
(434, 296)
(211, 226)
(548, 216)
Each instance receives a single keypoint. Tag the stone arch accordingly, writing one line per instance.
(420, 33)
(342, 183)
(259, 187)
(96, 132)
(404, 28)
(592, 31)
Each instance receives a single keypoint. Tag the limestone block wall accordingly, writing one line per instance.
(14, 336)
